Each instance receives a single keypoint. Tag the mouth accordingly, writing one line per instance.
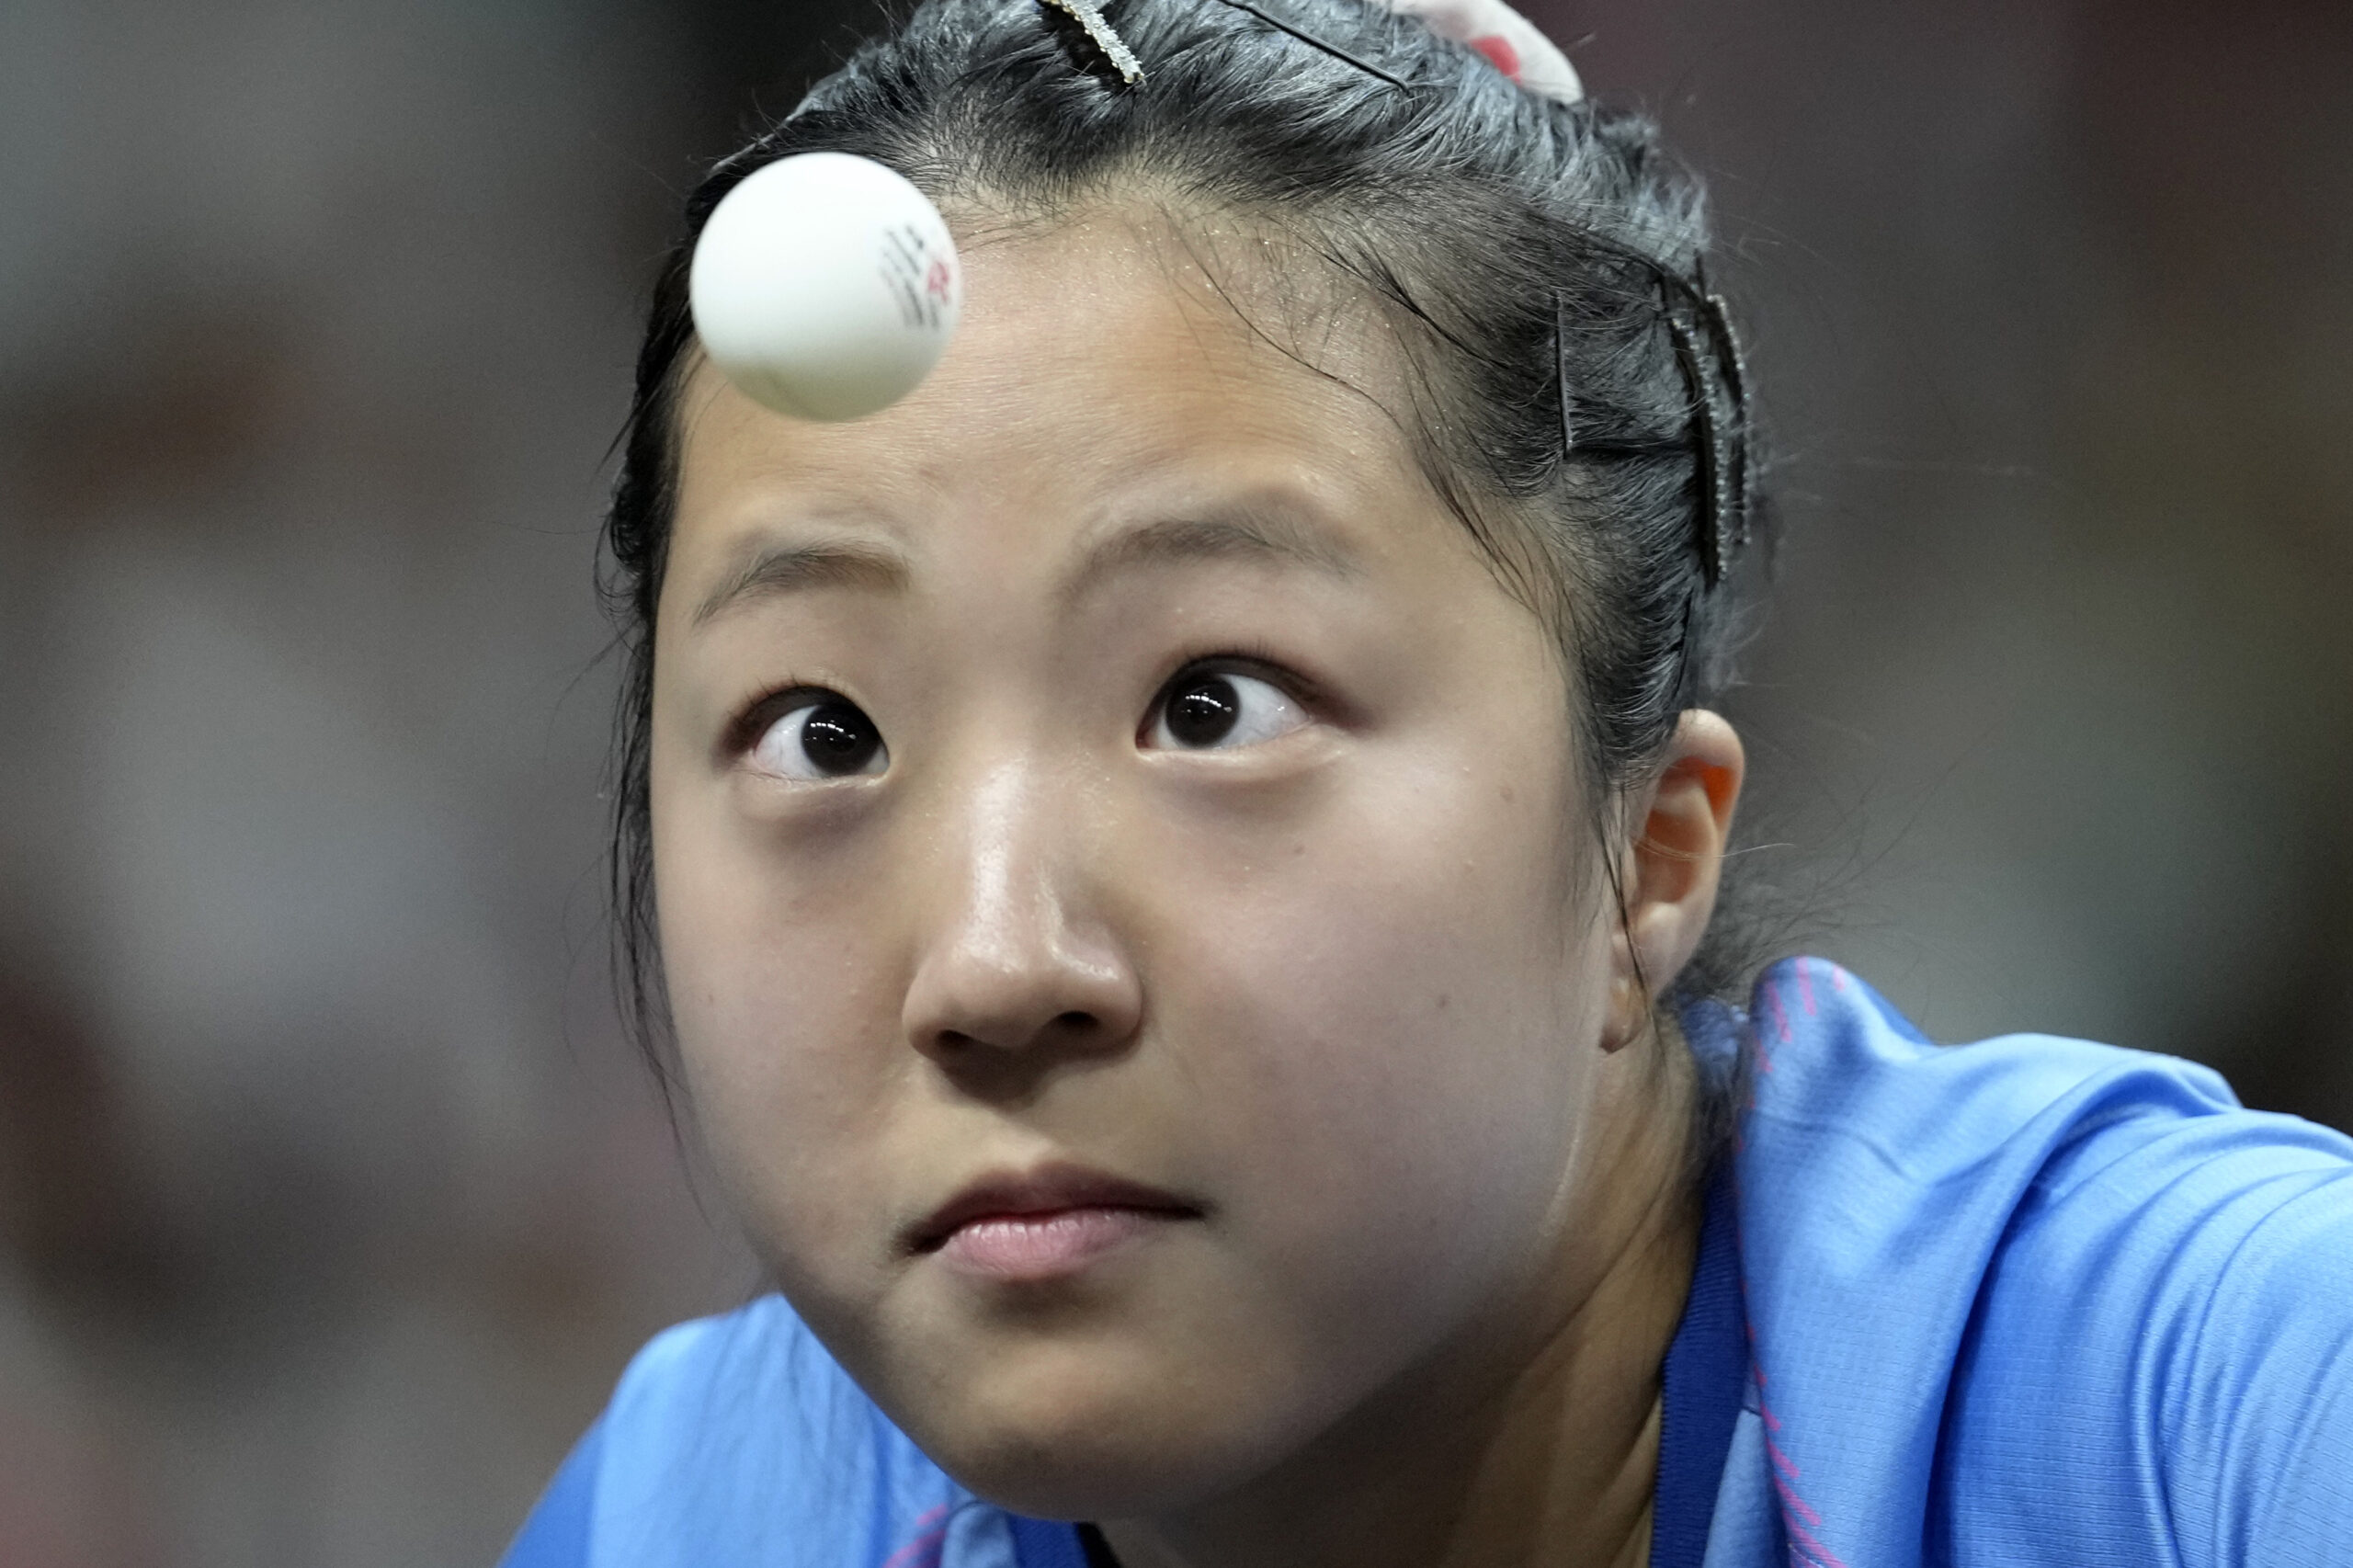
(1051, 1221)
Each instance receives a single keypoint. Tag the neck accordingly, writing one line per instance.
(1533, 1442)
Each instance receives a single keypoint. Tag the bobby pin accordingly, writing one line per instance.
(1334, 50)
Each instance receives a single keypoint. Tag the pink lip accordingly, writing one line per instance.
(1052, 1220)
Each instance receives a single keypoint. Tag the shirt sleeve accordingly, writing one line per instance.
(2161, 1371)
(2261, 1427)
(556, 1534)
(738, 1442)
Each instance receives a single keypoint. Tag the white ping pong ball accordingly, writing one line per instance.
(825, 286)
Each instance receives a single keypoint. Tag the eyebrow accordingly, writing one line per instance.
(770, 571)
(1242, 531)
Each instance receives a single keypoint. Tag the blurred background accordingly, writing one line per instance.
(331, 1199)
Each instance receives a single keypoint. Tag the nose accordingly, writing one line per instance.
(1016, 972)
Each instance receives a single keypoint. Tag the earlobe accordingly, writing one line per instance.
(1630, 1007)
(1673, 867)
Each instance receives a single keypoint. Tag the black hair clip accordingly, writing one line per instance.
(1561, 372)
(1334, 50)
(1715, 374)
(1737, 458)
(1735, 365)
(1716, 378)
(1714, 501)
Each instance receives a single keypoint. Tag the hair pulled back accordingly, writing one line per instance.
(1524, 248)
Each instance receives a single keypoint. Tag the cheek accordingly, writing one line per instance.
(1393, 1060)
(784, 1024)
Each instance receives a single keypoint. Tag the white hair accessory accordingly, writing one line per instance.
(1509, 40)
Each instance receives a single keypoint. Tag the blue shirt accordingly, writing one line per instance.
(2027, 1302)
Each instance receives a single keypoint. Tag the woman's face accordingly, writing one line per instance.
(1121, 885)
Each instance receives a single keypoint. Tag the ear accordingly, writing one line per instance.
(1672, 868)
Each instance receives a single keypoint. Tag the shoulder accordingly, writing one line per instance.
(738, 1440)
(2175, 1301)
(2008, 1298)
(1870, 1161)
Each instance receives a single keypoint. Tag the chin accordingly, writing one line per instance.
(1083, 1474)
(1084, 1450)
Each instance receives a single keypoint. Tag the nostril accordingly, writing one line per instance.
(961, 1042)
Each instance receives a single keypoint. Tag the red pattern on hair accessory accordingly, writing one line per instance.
(1500, 53)
(1507, 39)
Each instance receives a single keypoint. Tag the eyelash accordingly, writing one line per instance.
(1247, 659)
(744, 731)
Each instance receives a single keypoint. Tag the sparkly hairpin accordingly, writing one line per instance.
(1089, 15)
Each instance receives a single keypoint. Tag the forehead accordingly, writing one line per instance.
(1111, 357)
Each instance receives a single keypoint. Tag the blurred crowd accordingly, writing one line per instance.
(332, 1198)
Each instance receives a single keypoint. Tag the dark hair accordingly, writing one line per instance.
(1575, 404)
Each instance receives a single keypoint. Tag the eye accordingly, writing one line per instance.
(823, 737)
(1206, 708)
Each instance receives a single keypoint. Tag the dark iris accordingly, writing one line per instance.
(839, 739)
(1203, 711)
